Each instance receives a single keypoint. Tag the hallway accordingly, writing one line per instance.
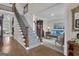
(12, 48)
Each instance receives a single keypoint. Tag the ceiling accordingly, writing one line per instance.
(34, 8)
(53, 13)
(44, 10)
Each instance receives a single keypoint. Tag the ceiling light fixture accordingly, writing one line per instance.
(52, 14)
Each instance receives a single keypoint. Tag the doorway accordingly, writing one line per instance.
(39, 29)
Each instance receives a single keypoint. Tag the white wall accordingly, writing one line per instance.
(68, 25)
(71, 34)
(29, 19)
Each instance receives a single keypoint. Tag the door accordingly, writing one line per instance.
(39, 29)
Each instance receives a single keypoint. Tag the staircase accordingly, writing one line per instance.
(18, 33)
(33, 39)
(24, 33)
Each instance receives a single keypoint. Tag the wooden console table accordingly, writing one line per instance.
(73, 48)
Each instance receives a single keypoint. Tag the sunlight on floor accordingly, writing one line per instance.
(6, 40)
(6, 45)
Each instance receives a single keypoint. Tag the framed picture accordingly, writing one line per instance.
(75, 19)
(77, 23)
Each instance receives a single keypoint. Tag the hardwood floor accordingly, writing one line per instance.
(13, 48)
